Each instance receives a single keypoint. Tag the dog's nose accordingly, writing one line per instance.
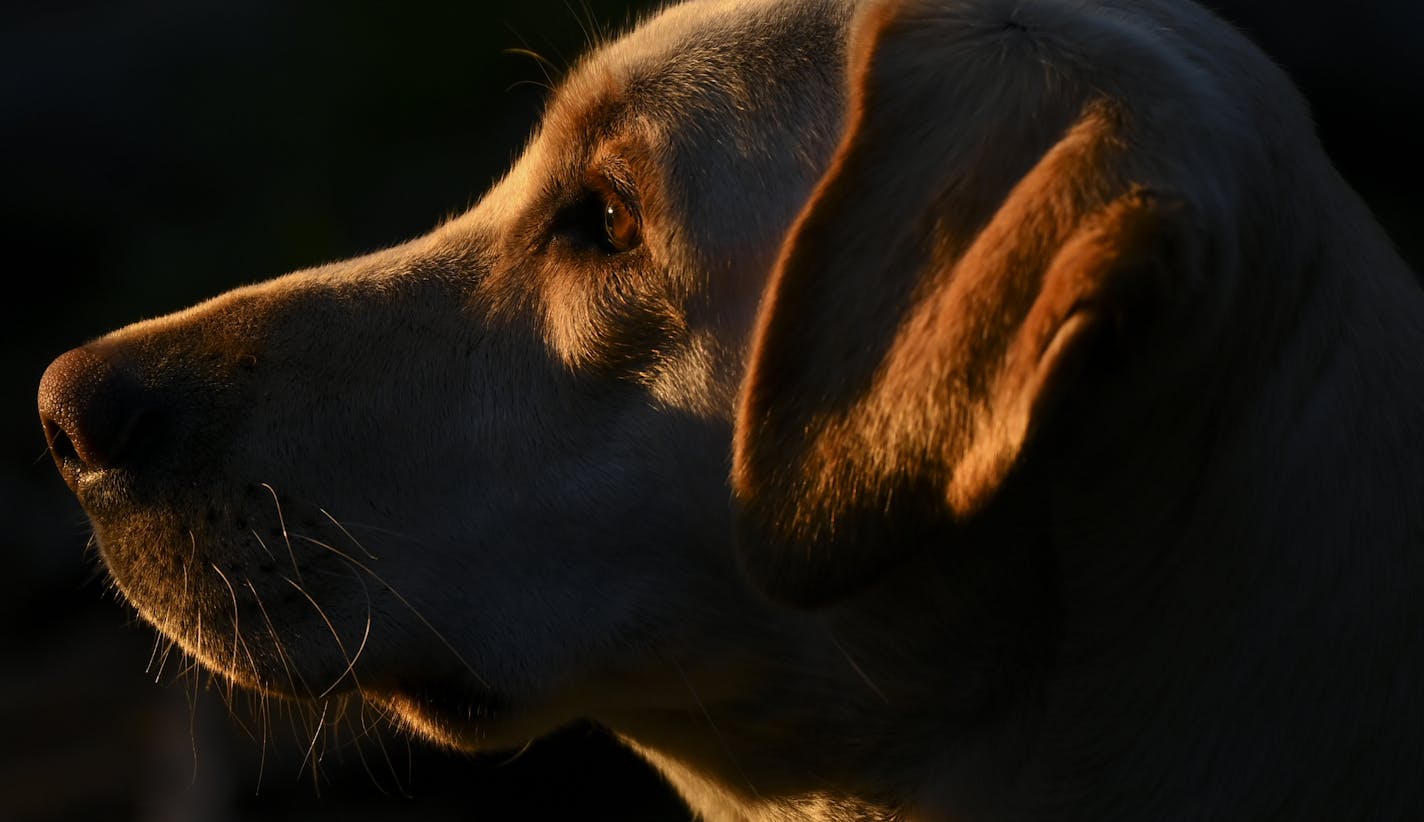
(90, 405)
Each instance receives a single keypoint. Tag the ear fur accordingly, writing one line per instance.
(985, 220)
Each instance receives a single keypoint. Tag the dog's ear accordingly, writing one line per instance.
(980, 227)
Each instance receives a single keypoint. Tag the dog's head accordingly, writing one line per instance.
(1042, 217)
(473, 474)
(482, 477)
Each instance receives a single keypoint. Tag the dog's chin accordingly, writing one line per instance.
(457, 714)
(244, 610)
(250, 610)
(463, 717)
(451, 708)
(245, 650)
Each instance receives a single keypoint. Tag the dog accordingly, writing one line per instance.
(896, 409)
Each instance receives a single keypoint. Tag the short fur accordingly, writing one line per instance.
(1083, 396)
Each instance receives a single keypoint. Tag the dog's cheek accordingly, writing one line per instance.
(610, 315)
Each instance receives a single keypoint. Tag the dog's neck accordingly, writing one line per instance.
(912, 688)
(1229, 559)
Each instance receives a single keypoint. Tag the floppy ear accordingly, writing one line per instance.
(980, 227)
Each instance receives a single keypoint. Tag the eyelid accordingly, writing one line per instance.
(612, 176)
(577, 212)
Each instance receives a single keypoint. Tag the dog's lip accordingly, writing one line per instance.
(460, 717)
(106, 494)
(81, 478)
(469, 700)
(115, 498)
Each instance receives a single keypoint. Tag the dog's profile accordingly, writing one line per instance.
(900, 409)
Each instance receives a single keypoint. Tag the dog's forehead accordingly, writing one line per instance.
(720, 58)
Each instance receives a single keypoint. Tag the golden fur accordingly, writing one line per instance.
(1083, 399)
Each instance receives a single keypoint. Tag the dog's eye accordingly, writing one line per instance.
(620, 226)
(602, 220)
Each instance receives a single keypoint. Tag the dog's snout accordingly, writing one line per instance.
(90, 404)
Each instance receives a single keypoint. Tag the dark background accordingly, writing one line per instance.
(155, 152)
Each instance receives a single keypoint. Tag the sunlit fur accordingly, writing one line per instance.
(1081, 277)
(480, 481)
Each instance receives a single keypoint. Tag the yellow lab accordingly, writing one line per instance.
(1034, 340)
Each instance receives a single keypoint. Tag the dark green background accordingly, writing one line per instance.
(155, 152)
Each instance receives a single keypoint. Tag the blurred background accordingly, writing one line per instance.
(155, 152)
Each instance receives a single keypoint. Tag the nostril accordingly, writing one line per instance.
(59, 442)
(90, 404)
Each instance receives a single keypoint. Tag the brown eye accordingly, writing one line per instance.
(603, 219)
(621, 230)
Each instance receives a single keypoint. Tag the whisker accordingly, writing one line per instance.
(545, 65)
(522, 83)
(237, 640)
(381, 745)
(320, 724)
(198, 634)
(365, 636)
(277, 644)
(225, 693)
(163, 661)
(350, 663)
(192, 697)
(600, 30)
(376, 529)
(517, 754)
(297, 722)
(858, 670)
(190, 666)
(282, 522)
(354, 541)
(198, 643)
(161, 637)
(262, 709)
(549, 68)
(401, 598)
(158, 638)
(258, 537)
(366, 766)
(590, 35)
